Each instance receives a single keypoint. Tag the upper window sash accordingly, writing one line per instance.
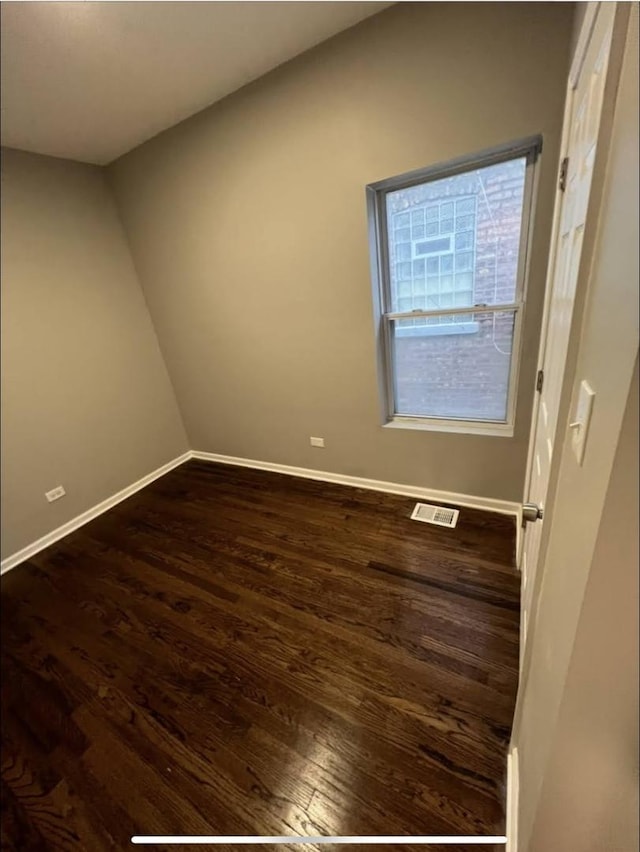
(528, 148)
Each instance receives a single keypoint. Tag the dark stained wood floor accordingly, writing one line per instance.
(231, 651)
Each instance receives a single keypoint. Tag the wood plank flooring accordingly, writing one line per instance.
(231, 651)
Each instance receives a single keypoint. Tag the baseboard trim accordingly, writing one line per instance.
(519, 537)
(489, 504)
(79, 521)
(513, 789)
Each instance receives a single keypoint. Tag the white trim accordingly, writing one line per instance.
(458, 427)
(489, 504)
(579, 55)
(577, 62)
(79, 521)
(503, 307)
(513, 791)
(519, 539)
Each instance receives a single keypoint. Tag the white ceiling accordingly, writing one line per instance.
(91, 80)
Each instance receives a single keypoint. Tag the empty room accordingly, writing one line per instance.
(319, 425)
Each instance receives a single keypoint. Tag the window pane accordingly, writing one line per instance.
(403, 251)
(446, 301)
(456, 369)
(472, 221)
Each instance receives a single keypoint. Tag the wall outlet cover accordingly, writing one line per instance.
(55, 493)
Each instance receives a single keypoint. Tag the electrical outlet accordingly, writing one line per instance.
(316, 442)
(55, 493)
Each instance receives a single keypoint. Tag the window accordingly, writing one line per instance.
(449, 261)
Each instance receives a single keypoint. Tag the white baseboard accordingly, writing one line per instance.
(513, 789)
(55, 535)
(489, 504)
(519, 538)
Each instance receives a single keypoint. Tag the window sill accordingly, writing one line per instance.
(460, 427)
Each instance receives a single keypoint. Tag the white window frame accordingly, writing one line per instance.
(377, 213)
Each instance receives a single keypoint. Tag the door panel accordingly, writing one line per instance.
(583, 114)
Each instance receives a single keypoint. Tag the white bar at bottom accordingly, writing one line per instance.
(249, 839)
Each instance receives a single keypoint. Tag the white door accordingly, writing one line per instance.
(580, 135)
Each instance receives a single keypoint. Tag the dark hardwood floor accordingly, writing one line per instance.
(231, 651)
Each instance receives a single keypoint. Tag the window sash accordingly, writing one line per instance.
(379, 231)
(513, 307)
(391, 374)
(529, 147)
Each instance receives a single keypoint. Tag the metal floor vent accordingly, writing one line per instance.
(439, 515)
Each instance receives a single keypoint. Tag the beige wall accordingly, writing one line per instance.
(589, 799)
(607, 351)
(248, 229)
(86, 399)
